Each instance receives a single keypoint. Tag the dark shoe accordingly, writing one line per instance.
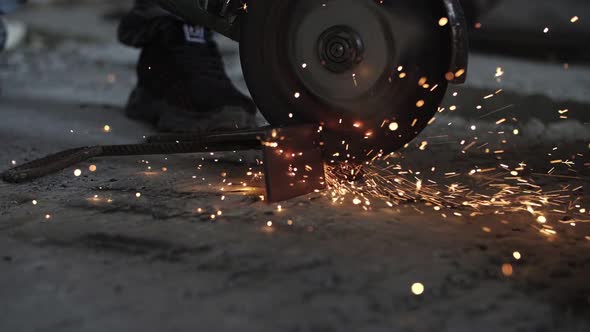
(143, 106)
(182, 85)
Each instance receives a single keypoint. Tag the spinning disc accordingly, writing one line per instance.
(371, 72)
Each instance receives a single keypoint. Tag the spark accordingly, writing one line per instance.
(417, 288)
(423, 145)
(77, 172)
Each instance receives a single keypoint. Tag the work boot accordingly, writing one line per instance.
(182, 85)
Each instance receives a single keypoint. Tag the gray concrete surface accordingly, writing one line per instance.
(108, 260)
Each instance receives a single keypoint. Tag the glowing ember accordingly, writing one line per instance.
(423, 145)
(507, 270)
(506, 190)
(417, 288)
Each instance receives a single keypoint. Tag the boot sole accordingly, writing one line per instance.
(143, 106)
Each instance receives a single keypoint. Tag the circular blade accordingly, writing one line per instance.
(371, 72)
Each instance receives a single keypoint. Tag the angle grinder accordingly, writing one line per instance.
(371, 72)
(338, 80)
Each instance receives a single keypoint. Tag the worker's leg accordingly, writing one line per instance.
(182, 84)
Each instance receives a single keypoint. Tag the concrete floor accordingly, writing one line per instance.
(108, 260)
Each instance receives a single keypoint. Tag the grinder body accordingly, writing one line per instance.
(222, 16)
(372, 73)
(218, 15)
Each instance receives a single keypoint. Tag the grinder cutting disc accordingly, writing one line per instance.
(371, 72)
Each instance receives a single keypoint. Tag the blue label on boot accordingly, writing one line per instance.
(194, 34)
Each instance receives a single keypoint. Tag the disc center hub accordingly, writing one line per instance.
(340, 48)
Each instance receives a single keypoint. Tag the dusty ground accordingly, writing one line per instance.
(108, 260)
